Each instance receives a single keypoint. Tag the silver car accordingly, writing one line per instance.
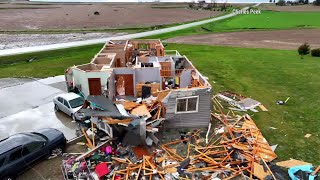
(69, 103)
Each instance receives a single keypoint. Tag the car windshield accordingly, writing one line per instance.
(74, 103)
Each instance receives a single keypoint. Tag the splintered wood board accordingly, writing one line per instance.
(141, 111)
(263, 108)
(259, 172)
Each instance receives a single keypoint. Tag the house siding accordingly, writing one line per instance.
(196, 119)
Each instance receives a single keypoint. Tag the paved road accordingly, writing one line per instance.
(15, 51)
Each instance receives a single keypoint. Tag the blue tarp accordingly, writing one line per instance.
(306, 168)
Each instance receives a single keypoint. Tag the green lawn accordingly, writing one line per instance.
(266, 21)
(263, 74)
(46, 64)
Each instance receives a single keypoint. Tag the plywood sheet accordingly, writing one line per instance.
(141, 111)
(291, 163)
(130, 105)
(259, 172)
(162, 95)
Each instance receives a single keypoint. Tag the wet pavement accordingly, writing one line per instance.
(8, 82)
(27, 106)
(32, 119)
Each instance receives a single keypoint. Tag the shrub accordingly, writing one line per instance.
(304, 49)
(315, 52)
(281, 3)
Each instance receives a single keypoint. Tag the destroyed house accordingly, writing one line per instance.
(141, 69)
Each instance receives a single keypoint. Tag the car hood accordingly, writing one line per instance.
(77, 109)
(51, 133)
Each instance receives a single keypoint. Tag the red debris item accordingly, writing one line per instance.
(102, 169)
(140, 151)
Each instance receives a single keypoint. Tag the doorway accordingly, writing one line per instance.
(94, 86)
(124, 85)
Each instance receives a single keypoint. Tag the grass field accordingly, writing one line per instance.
(263, 74)
(46, 64)
(265, 21)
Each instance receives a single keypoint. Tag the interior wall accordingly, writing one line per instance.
(126, 71)
(81, 79)
(111, 86)
(185, 78)
(122, 55)
(151, 74)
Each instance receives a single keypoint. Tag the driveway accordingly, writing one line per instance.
(26, 105)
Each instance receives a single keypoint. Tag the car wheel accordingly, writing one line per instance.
(57, 151)
(56, 108)
(73, 117)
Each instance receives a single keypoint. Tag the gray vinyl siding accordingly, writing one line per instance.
(183, 120)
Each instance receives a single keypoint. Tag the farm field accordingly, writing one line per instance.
(267, 20)
(299, 8)
(273, 39)
(29, 17)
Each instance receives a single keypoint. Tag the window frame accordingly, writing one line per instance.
(29, 146)
(3, 160)
(13, 152)
(60, 98)
(184, 112)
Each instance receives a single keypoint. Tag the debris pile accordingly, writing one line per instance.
(239, 102)
(239, 149)
(234, 149)
(133, 122)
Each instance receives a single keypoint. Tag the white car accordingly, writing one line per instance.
(69, 103)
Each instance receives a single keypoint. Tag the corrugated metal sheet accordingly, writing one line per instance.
(197, 119)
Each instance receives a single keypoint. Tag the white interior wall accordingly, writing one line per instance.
(151, 74)
(111, 86)
(185, 78)
(81, 78)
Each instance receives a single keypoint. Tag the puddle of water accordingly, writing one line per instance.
(42, 117)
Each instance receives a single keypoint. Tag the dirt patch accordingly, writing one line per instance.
(278, 39)
(70, 16)
(8, 41)
(297, 8)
